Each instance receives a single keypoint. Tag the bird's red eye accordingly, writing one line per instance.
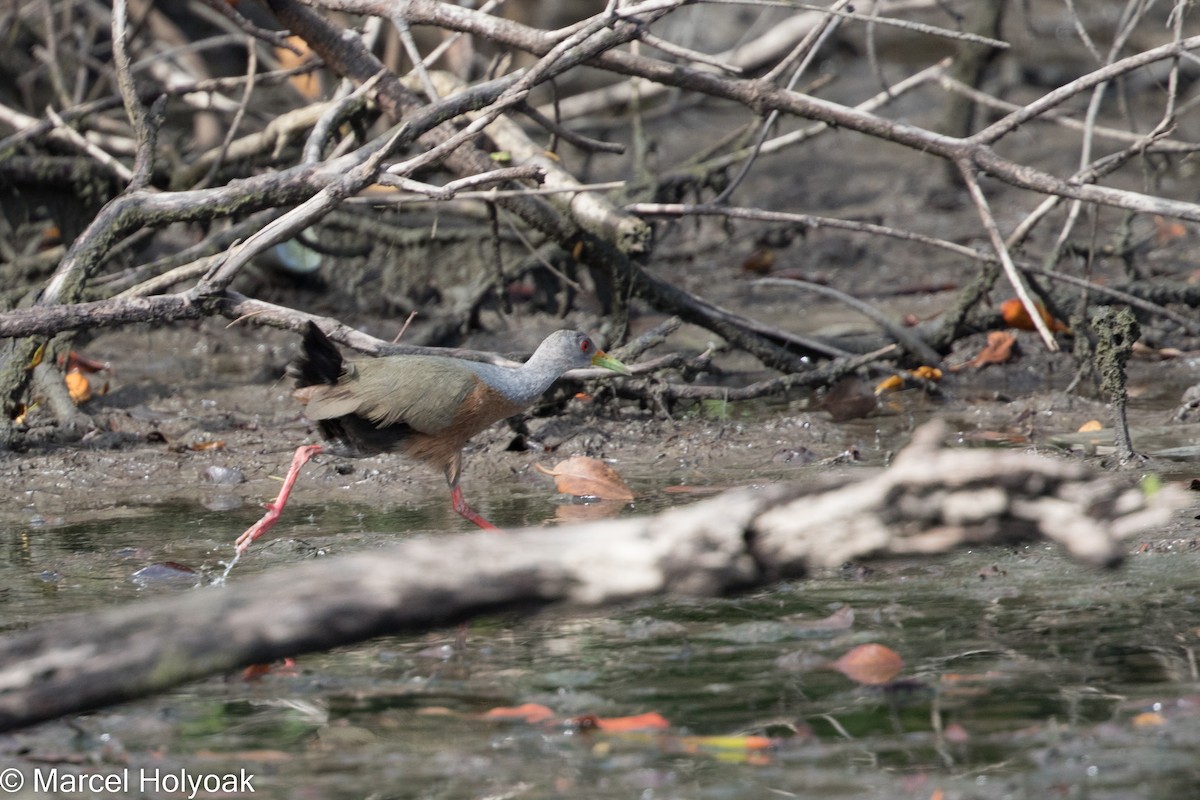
(585, 345)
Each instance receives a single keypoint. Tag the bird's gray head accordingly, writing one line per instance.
(564, 350)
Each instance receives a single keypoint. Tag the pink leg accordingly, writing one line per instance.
(303, 454)
(465, 511)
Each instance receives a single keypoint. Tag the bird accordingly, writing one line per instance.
(424, 407)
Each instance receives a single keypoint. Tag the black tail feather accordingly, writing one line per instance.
(319, 362)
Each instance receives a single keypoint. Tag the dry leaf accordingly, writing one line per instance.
(927, 372)
(588, 477)
(850, 398)
(894, 382)
(1149, 719)
(78, 387)
(1017, 316)
(38, 355)
(999, 349)
(1091, 426)
(759, 262)
(1167, 230)
(77, 362)
(307, 85)
(640, 722)
(531, 713)
(870, 664)
(889, 384)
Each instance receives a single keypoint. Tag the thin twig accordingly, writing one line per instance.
(806, 220)
(77, 139)
(905, 337)
(584, 143)
(144, 165)
(1006, 263)
(1189, 324)
(274, 38)
(414, 55)
(806, 50)
(672, 49)
(251, 71)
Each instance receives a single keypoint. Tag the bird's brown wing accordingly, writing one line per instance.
(422, 393)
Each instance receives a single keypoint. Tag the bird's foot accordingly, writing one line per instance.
(464, 510)
(259, 528)
(301, 457)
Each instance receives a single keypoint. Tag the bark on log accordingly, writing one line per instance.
(930, 500)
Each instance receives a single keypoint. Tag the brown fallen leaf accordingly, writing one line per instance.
(999, 350)
(588, 477)
(850, 398)
(759, 262)
(74, 361)
(869, 664)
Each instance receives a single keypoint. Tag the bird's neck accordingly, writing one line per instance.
(521, 385)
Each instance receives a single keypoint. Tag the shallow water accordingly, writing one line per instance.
(1025, 676)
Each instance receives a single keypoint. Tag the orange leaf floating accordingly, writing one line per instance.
(870, 664)
(639, 722)
(531, 713)
(1017, 316)
(588, 477)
